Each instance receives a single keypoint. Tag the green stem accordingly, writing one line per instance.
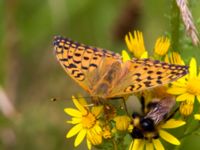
(191, 132)
(114, 144)
(175, 26)
(186, 134)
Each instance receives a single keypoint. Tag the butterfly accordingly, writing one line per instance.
(103, 74)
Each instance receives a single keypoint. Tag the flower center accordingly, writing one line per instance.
(88, 121)
(193, 86)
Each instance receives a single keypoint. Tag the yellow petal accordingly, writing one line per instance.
(182, 97)
(161, 46)
(73, 112)
(197, 116)
(149, 146)
(198, 98)
(74, 130)
(138, 144)
(131, 145)
(168, 137)
(176, 90)
(175, 58)
(158, 145)
(181, 82)
(82, 100)
(193, 68)
(96, 129)
(144, 55)
(166, 59)
(75, 120)
(172, 123)
(94, 138)
(79, 106)
(97, 110)
(136, 44)
(190, 98)
(89, 145)
(128, 42)
(81, 135)
(125, 56)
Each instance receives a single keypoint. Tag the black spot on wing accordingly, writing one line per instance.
(93, 65)
(72, 66)
(147, 83)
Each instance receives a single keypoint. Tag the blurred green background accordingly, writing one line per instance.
(30, 75)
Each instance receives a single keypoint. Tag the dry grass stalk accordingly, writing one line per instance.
(6, 106)
(188, 21)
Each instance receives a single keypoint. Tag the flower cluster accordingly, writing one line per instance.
(107, 125)
(85, 123)
(186, 89)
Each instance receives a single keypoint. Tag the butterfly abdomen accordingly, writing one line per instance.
(113, 72)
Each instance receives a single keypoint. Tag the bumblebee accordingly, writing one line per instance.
(159, 111)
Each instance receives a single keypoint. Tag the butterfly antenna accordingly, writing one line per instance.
(125, 107)
(89, 105)
(53, 99)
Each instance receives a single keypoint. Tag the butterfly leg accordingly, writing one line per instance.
(97, 101)
(124, 104)
(142, 101)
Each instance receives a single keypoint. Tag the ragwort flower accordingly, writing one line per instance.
(122, 122)
(153, 142)
(161, 46)
(107, 134)
(187, 88)
(86, 123)
(136, 45)
(174, 58)
(186, 108)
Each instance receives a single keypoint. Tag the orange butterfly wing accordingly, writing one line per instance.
(141, 74)
(85, 64)
(103, 74)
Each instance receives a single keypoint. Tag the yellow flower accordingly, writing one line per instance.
(187, 88)
(94, 138)
(86, 123)
(153, 142)
(186, 108)
(174, 58)
(107, 132)
(122, 122)
(135, 44)
(161, 46)
(125, 56)
(197, 116)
